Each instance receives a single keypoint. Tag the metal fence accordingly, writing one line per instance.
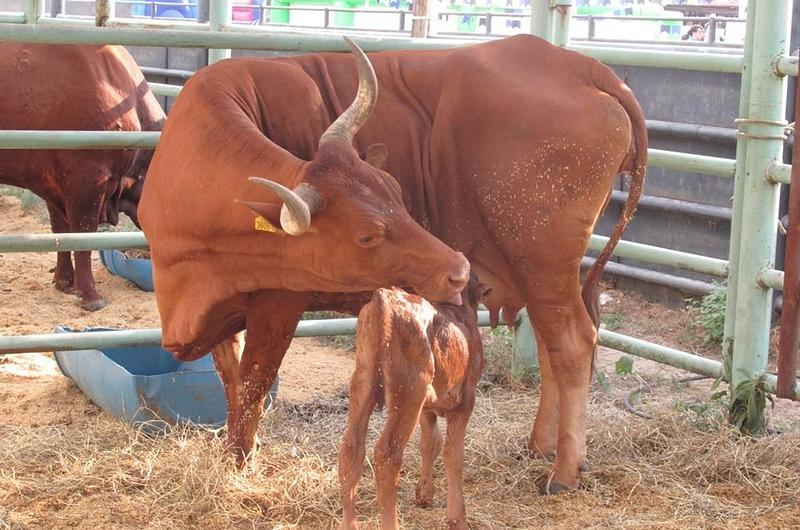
(758, 171)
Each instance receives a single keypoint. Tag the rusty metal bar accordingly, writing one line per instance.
(790, 316)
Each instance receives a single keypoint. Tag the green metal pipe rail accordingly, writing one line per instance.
(756, 169)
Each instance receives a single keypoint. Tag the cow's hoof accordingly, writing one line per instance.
(550, 486)
(93, 305)
(65, 286)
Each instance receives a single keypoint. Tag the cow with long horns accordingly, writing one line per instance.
(335, 223)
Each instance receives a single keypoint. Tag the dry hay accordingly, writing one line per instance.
(669, 472)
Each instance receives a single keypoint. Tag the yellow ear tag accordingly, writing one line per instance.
(262, 225)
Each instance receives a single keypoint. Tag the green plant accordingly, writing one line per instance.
(712, 312)
(747, 407)
(624, 365)
(612, 321)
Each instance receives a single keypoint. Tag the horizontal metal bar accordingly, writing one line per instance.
(131, 23)
(779, 173)
(691, 131)
(661, 354)
(677, 206)
(686, 285)
(167, 72)
(707, 165)
(12, 18)
(770, 382)
(771, 279)
(48, 342)
(78, 139)
(704, 62)
(664, 256)
(234, 37)
(71, 242)
(787, 65)
(162, 89)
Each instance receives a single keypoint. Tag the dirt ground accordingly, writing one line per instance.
(64, 463)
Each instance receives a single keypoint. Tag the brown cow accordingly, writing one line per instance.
(82, 88)
(218, 269)
(423, 361)
(506, 151)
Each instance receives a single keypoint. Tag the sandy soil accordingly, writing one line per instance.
(35, 396)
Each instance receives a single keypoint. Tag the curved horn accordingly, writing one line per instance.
(350, 121)
(298, 205)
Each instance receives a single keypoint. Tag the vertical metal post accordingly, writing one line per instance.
(764, 129)
(34, 10)
(219, 16)
(790, 316)
(420, 18)
(562, 14)
(524, 359)
(592, 28)
(738, 191)
(104, 10)
(541, 19)
(711, 34)
(326, 18)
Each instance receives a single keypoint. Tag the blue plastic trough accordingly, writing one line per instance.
(137, 270)
(147, 387)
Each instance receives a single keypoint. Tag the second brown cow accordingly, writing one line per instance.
(423, 361)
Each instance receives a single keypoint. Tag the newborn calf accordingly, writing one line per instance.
(424, 361)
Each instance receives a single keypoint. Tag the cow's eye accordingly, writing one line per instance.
(369, 240)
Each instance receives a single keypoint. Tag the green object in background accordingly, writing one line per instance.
(524, 359)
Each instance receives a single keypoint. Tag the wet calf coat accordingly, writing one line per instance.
(423, 361)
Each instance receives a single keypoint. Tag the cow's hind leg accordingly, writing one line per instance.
(404, 405)
(544, 435)
(363, 398)
(64, 277)
(569, 336)
(272, 317)
(430, 445)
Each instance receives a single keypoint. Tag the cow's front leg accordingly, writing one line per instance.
(83, 215)
(544, 435)
(227, 356)
(272, 318)
(64, 277)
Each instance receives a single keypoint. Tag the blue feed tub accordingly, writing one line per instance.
(146, 386)
(137, 270)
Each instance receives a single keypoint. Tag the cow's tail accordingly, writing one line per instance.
(635, 165)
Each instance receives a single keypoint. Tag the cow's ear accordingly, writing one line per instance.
(269, 212)
(377, 155)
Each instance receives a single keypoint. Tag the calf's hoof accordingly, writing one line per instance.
(94, 304)
(423, 496)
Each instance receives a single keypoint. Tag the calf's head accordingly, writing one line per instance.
(348, 226)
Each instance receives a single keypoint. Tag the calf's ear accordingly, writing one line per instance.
(377, 155)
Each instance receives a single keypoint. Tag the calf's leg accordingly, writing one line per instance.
(404, 404)
(430, 445)
(363, 398)
(454, 464)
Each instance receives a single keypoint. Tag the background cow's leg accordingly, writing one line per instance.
(454, 463)
(569, 335)
(227, 356)
(83, 215)
(404, 403)
(272, 317)
(544, 435)
(363, 398)
(64, 277)
(430, 445)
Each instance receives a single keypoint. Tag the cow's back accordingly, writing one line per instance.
(57, 87)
